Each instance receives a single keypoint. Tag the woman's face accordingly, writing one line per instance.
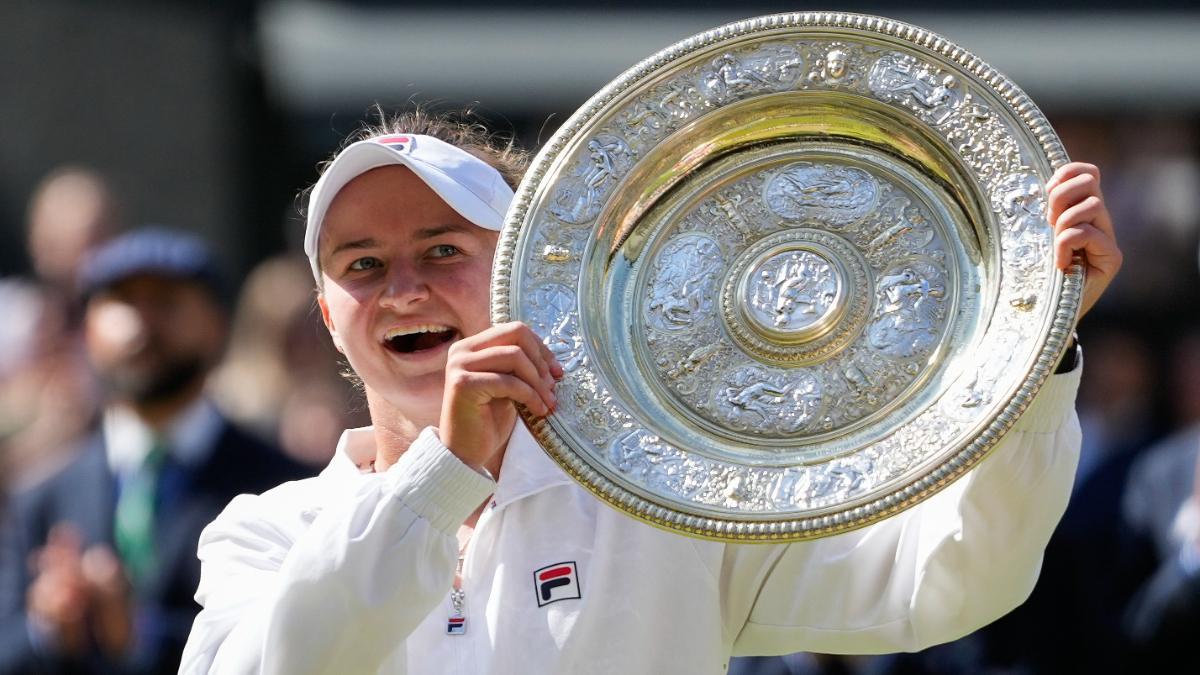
(404, 276)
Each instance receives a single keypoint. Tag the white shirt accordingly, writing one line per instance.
(351, 572)
(191, 436)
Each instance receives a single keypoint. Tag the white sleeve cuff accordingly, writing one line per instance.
(1053, 403)
(436, 484)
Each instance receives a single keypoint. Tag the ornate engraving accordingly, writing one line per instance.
(755, 400)
(1021, 204)
(731, 76)
(925, 88)
(683, 288)
(791, 290)
(556, 254)
(579, 197)
(553, 316)
(835, 64)
(911, 310)
(834, 196)
(899, 228)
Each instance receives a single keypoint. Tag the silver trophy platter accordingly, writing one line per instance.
(798, 271)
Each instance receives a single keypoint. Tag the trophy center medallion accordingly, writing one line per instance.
(792, 295)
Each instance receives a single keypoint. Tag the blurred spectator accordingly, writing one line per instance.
(71, 212)
(1116, 401)
(111, 538)
(47, 397)
(280, 376)
(1160, 519)
(1161, 516)
(1184, 383)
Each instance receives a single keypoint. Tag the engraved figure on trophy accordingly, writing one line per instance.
(835, 64)
(653, 115)
(750, 400)
(922, 87)
(793, 290)
(901, 229)
(691, 363)
(724, 211)
(832, 195)
(910, 311)
(772, 68)
(1019, 200)
(659, 465)
(980, 390)
(579, 197)
(683, 287)
(833, 482)
(553, 315)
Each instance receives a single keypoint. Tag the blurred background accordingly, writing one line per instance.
(211, 116)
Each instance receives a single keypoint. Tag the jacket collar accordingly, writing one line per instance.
(526, 469)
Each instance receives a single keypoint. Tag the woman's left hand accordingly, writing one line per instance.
(1083, 228)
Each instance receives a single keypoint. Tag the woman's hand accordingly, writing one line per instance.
(1083, 227)
(486, 374)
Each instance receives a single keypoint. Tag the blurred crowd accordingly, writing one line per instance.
(139, 392)
(138, 396)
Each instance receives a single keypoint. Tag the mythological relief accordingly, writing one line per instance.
(792, 290)
(835, 64)
(911, 310)
(831, 195)
(757, 400)
(553, 315)
(1020, 202)
(657, 464)
(683, 286)
(580, 196)
(899, 228)
(731, 76)
(923, 87)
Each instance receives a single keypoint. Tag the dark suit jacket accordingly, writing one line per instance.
(84, 494)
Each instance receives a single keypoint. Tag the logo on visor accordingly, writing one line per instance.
(397, 143)
(559, 581)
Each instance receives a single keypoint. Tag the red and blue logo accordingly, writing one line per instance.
(456, 625)
(397, 143)
(559, 581)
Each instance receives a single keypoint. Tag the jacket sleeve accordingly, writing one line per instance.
(931, 574)
(17, 652)
(287, 591)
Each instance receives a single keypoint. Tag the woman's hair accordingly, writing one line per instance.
(460, 129)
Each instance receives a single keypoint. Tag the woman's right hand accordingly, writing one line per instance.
(486, 374)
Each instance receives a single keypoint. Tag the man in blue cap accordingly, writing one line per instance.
(98, 565)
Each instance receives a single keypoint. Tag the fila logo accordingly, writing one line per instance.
(398, 143)
(559, 581)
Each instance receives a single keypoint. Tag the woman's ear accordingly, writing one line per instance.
(328, 320)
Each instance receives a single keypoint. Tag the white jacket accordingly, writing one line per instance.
(351, 572)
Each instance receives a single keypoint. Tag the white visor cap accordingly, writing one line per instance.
(472, 187)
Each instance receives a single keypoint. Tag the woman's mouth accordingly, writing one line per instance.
(415, 339)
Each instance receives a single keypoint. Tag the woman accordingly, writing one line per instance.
(396, 560)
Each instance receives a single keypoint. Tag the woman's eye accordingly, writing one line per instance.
(365, 264)
(444, 251)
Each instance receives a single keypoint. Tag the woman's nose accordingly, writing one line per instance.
(405, 286)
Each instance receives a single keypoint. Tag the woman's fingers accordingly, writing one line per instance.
(492, 386)
(1072, 193)
(513, 360)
